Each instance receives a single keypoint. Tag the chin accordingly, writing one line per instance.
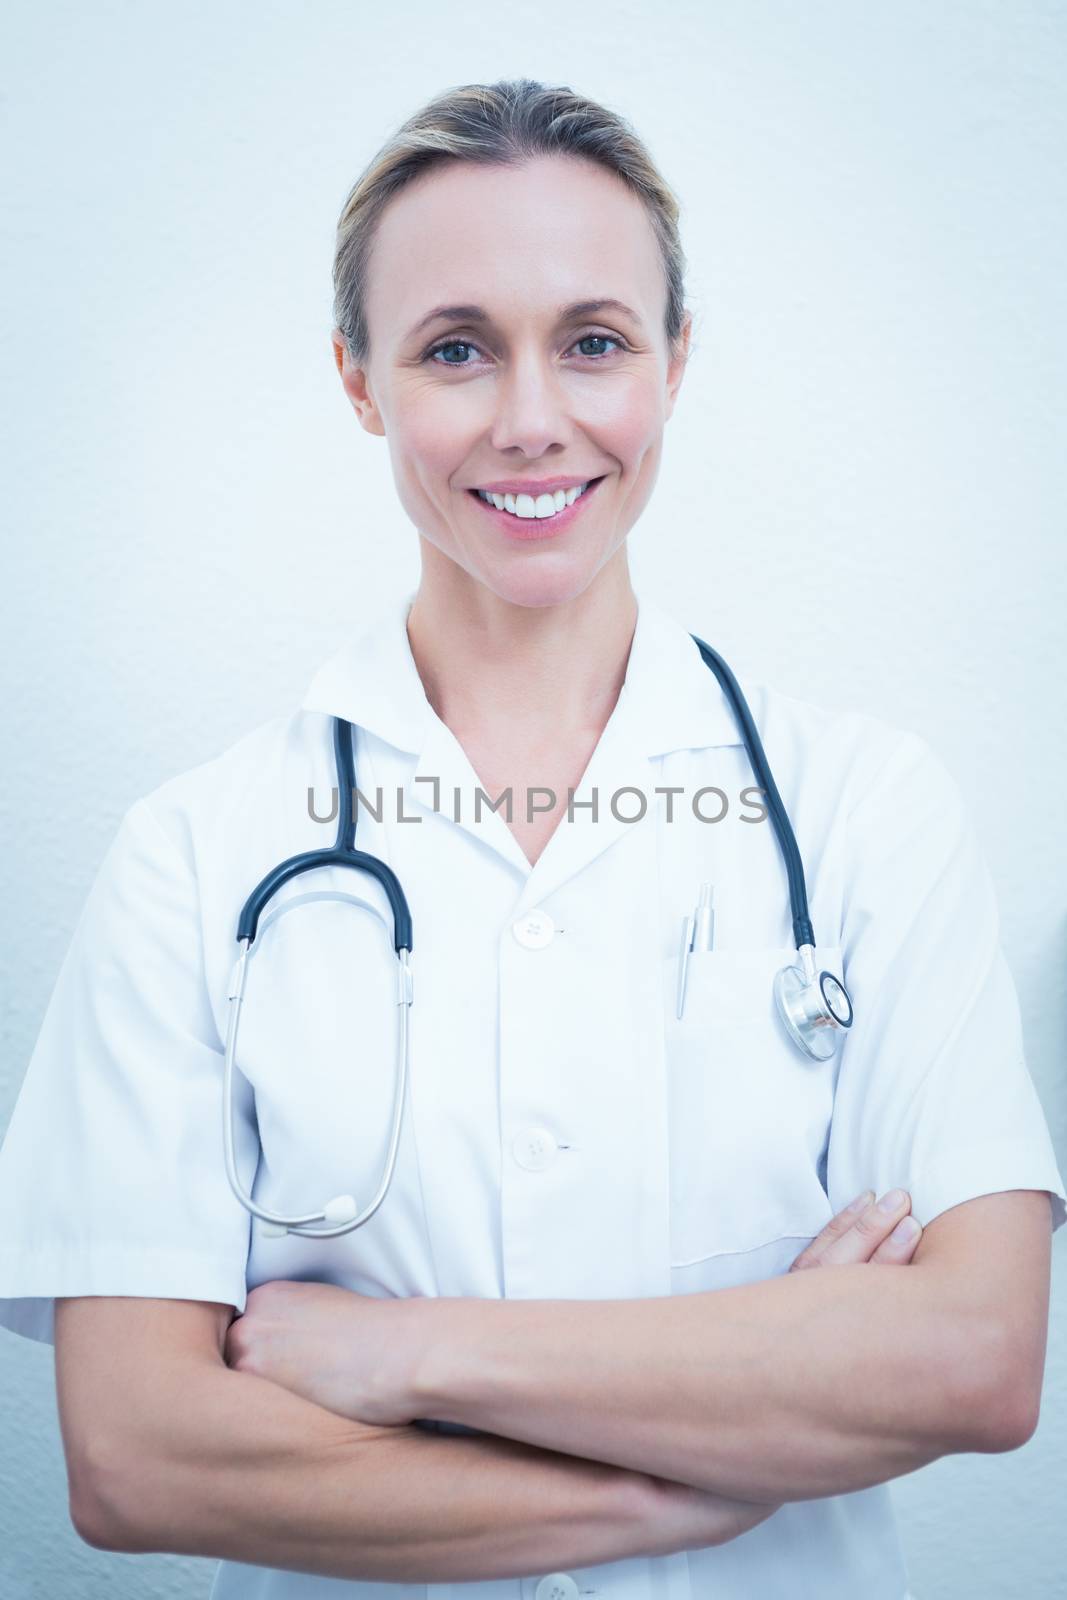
(547, 582)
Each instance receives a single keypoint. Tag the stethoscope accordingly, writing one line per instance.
(813, 1004)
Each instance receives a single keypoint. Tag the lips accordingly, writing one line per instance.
(529, 528)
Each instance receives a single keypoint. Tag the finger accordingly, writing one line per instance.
(868, 1231)
(836, 1226)
(901, 1244)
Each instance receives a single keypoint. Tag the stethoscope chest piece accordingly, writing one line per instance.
(814, 1006)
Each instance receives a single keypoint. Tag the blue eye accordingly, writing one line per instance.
(602, 338)
(466, 344)
(451, 344)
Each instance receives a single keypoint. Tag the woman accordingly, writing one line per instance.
(578, 1163)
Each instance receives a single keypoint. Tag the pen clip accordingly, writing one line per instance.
(683, 961)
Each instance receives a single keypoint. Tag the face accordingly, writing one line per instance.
(517, 391)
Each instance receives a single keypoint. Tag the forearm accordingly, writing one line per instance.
(232, 1466)
(810, 1384)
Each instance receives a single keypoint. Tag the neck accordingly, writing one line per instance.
(516, 673)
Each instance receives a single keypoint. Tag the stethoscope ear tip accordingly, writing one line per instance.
(270, 1230)
(336, 1212)
(342, 1208)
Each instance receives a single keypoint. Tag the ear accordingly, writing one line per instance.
(356, 387)
(676, 369)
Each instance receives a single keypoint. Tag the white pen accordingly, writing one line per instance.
(698, 933)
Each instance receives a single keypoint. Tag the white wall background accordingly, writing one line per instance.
(861, 499)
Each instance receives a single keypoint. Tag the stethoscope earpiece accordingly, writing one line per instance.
(342, 1213)
(814, 1006)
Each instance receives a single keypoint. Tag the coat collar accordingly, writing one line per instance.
(669, 700)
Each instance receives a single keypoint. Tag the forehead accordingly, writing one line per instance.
(519, 241)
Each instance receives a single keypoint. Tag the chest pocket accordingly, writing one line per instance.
(749, 1114)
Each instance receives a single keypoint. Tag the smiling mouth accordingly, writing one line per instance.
(530, 515)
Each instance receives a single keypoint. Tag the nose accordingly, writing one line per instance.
(531, 411)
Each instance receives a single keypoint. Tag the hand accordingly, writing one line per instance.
(863, 1232)
(349, 1352)
(860, 1233)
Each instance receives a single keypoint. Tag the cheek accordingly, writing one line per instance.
(426, 459)
(625, 418)
(430, 438)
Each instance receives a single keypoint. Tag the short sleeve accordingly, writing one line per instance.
(933, 1091)
(112, 1177)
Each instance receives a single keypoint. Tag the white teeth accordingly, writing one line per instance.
(524, 505)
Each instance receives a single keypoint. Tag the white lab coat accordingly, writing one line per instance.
(565, 1136)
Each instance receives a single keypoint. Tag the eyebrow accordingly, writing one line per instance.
(571, 313)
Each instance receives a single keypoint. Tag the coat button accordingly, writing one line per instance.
(557, 1586)
(535, 1149)
(534, 930)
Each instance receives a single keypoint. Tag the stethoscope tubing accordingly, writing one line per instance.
(343, 1207)
(805, 1015)
(803, 932)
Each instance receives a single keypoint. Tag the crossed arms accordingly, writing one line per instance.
(624, 1427)
(815, 1383)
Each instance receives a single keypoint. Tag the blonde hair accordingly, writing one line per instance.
(502, 124)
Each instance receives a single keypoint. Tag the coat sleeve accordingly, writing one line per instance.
(112, 1179)
(933, 1091)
